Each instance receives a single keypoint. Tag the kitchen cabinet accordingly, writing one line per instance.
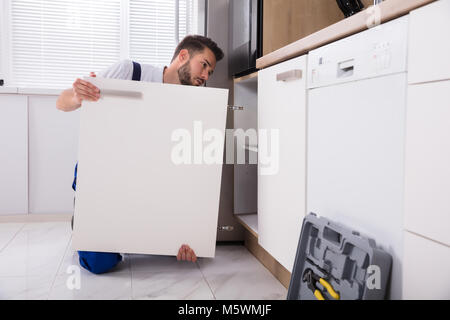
(427, 173)
(38, 155)
(13, 155)
(53, 152)
(429, 48)
(427, 204)
(282, 158)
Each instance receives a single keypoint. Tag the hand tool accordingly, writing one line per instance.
(311, 278)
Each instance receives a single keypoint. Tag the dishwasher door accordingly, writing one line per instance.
(356, 134)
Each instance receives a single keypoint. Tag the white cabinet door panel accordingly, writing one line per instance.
(13, 155)
(429, 45)
(149, 168)
(427, 197)
(282, 158)
(53, 154)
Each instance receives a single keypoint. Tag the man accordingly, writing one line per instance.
(193, 63)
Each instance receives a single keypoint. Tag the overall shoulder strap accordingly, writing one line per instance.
(136, 71)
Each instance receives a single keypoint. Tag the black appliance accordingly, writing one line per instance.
(350, 7)
(245, 35)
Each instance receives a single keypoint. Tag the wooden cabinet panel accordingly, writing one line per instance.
(286, 21)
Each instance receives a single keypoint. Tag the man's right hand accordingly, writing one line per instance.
(84, 90)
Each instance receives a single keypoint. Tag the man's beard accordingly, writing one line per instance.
(184, 74)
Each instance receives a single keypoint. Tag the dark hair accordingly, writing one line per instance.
(195, 44)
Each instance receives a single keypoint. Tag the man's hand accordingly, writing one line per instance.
(186, 254)
(72, 98)
(84, 90)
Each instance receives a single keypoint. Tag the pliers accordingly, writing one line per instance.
(311, 279)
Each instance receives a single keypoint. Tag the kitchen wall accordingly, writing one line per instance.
(39, 174)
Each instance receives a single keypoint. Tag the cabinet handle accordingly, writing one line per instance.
(120, 93)
(290, 75)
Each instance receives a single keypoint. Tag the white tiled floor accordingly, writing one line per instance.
(37, 262)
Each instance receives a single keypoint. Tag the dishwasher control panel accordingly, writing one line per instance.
(379, 51)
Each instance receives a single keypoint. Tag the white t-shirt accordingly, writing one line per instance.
(124, 70)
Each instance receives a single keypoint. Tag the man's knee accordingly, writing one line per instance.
(98, 262)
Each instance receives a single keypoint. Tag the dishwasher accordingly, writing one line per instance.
(357, 89)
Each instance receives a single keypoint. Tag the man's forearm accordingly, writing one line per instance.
(66, 101)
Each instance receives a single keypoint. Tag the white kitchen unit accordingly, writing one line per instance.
(429, 45)
(427, 171)
(282, 158)
(421, 255)
(52, 156)
(13, 155)
(427, 189)
(356, 123)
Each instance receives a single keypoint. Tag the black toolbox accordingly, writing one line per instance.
(336, 263)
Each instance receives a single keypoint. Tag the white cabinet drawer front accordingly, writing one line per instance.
(281, 158)
(427, 204)
(420, 255)
(429, 45)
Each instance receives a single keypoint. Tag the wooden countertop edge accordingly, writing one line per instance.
(246, 77)
(390, 9)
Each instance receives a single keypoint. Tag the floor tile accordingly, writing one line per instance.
(7, 233)
(38, 262)
(171, 285)
(25, 288)
(82, 285)
(236, 274)
(37, 250)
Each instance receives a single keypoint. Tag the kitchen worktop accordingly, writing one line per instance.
(385, 11)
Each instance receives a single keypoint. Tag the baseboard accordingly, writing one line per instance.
(34, 217)
(279, 272)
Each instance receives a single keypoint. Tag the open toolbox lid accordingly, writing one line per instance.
(350, 263)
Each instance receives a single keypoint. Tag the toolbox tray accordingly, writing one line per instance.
(351, 263)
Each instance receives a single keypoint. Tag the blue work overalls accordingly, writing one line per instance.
(101, 262)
